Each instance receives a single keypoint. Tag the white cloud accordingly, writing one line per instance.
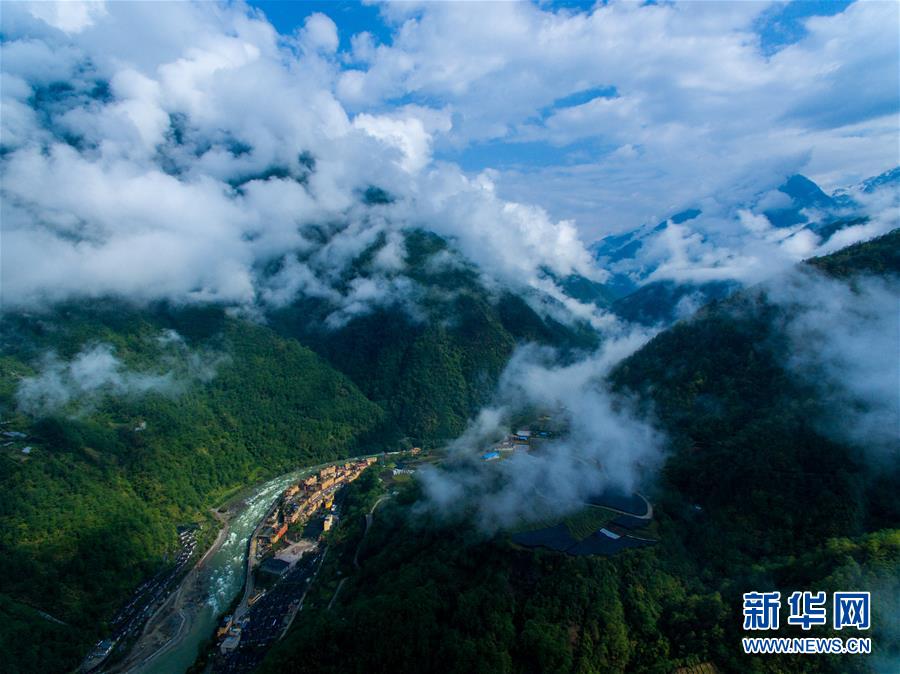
(96, 371)
(320, 33)
(604, 445)
(194, 170)
(845, 338)
(69, 16)
(697, 101)
(410, 130)
(92, 372)
(167, 150)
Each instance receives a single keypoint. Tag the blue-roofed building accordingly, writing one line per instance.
(491, 456)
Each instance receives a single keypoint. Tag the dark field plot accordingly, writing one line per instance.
(556, 538)
(600, 544)
(619, 500)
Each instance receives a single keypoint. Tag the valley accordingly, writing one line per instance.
(177, 628)
(536, 337)
(170, 623)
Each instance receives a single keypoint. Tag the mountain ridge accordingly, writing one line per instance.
(752, 496)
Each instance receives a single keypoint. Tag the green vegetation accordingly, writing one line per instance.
(752, 497)
(658, 302)
(587, 520)
(92, 510)
(581, 523)
(438, 596)
(880, 256)
(22, 628)
(432, 369)
(344, 539)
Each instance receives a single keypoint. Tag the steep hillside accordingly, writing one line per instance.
(433, 361)
(664, 302)
(171, 428)
(798, 210)
(754, 496)
(137, 419)
(743, 423)
(880, 257)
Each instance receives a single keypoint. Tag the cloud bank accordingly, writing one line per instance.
(603, 444)
(628, 112)
(845, 341)
(188, 152)
(96, 371)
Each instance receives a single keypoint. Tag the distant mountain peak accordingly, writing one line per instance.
(802, 189)
(798, 205)
(877, 182)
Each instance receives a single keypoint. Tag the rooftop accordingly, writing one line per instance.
(274, 565)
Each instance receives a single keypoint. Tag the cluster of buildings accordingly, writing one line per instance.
(229, 633)
(12, 437)
(301, 501)
(521, 440)
(271, 599)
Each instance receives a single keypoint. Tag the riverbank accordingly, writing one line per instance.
(250, 562)
(156, 637)
(172, 636)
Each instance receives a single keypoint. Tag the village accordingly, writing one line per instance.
(300, 502)
(276, 581)
(523, 440)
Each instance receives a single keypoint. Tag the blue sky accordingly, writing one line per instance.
(350, 17)
(774, 27)
(779, 27)
(524, 132)
(783, 25)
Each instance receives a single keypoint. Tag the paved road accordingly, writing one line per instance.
(336, 593)
(129, 624)
(148, 648)
(369, 517)
(251, 562)
(268, 618)
(176, 605)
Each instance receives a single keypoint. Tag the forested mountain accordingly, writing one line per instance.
(798, 210)
(140, 418)
(664, 302)
(797, 201)
(244, 241)
(433, 365)
(91, 509)
(754, 495)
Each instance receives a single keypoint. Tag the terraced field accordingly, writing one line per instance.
(587, 520)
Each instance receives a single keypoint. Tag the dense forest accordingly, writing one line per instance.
(753, 496)
(188, 405)
(432, 368)
(140, 418)
(92, 508)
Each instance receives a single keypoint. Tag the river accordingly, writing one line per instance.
(221, 579)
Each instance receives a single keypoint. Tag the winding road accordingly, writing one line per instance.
(369, 517)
